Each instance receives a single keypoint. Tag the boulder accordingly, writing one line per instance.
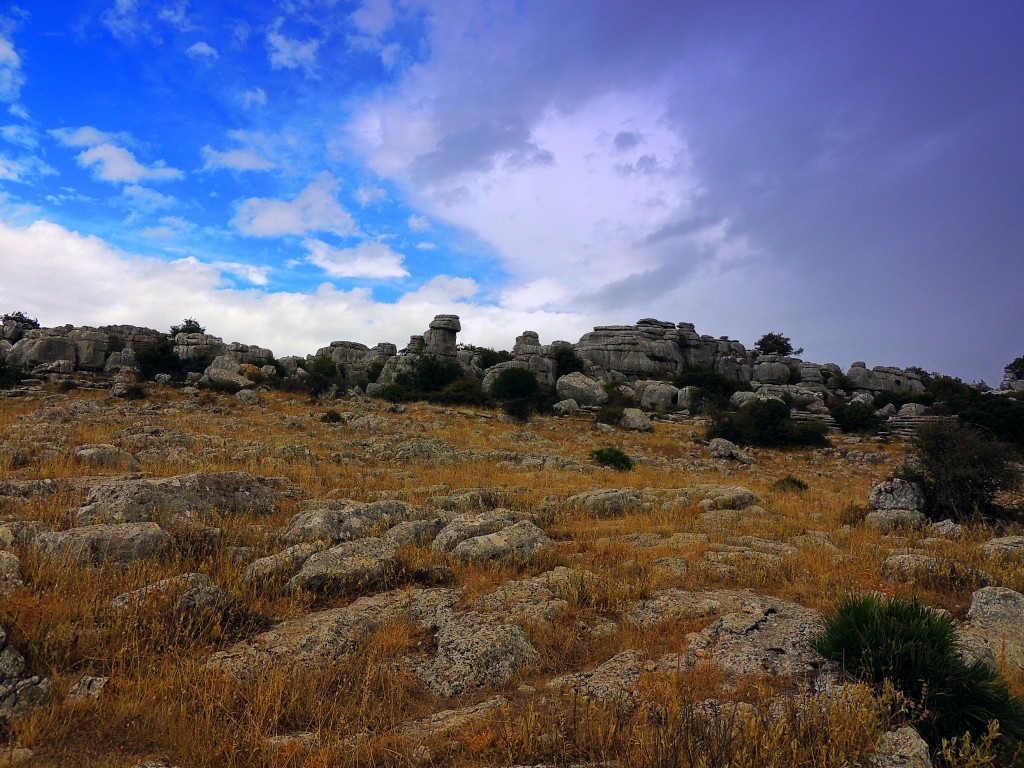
(226, 371)
(616, 681)
(894, 519)
(350, 566)
(106, 457)
(657, 395)
(520, 540)
(415, 533)
(581, 388)
(37, 349)
(609, 502)
(282, 565)
(93, 544)
(996, 617)
(895, 494)
(10, 573)
(636, 420)
(20, 691)
(720, 448)
(902, 748)
(566, 407)
(185, 595)
(468, 526)
(1005, 546)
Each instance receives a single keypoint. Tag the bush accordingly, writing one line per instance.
(767, 423)
(20, 318)
(960, 469)
(160, 357)
(790, 484)
(9, 376)
(878, 639)
(611, 412)
(488, 357)
(612, 457)
(429, 374)
(188, 325)
(1001, 416)
(951, 393)
(519, 409)
(395, 393)
(373, 371)
(330, 416)
(321, 365)
(713, 389)
(463, 391)
(567, 361)
(857, 417)
(776, 344)
(1016, 367)
(514, 383)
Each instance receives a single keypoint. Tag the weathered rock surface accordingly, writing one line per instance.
(185, 595)
(996, 617)
(519, 540)
(209, 495)
(106, 457)
(581, 388)
(894, 519)
(20, 691)
(636, 420)
(609, 502)
(902, 748)
(10, 573)
(451, 721)
(1004, 546)
(122, 543)
(895, 494)
(281, 565)
(614, 682)
(720, 448)
(468, 526)
(352, 565)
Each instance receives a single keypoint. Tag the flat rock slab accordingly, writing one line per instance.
(451, 721)
(352, 565)
(616, 681)
(186, 595)
(208, 495)
(519, 540)
(1005, 546)
(93, 544)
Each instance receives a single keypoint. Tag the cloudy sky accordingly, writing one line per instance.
(292, 172)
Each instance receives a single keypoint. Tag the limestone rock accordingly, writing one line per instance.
(282, 565)
(720, 448)
(728, 497)
(352, 565)
(210, 495)
(657, 395)
(451, 722)
(609, 502)
(10, 573)
(186, 595)
(914, 566)
(1005, 546)
(20, 691)
(122, 543)
(88, 688)
(902, 748)
(469, 526)
(894, 519)
(636, 420)
(567, 407)
(997, 616)
(895, 494)
(519, 540)
(415, 533)
(616, 681)
(106, 457)
(581, 388)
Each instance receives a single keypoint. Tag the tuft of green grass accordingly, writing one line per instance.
(613, 457)
(878, 639)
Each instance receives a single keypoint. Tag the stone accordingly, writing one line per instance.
(902, 748)
(728, 497)
(1004, 546)
(568, 407)
(914, 566)
(106, 457)
(282, 565)
(681, 604)
(226, 371)
(636, 420)
(996, 616)
(10, 573)
(20, 691)
(210, 495)
(185, 595)
(470, 525)
(88, 688)
(912, 410)
(657, 395)
(520, 540)
(609, 502)
(415, 533)
(327, 524)
(451, 722)
(895, 494)
(581, 388)
(541, 599)
(615, 682)
(121, 543)
(248, 397)
(352, 565)
(720, 448)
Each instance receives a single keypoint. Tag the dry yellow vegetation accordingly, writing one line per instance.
(163, 702)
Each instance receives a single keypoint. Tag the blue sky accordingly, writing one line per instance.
(296, 172)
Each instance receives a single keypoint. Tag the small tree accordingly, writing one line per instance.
(188, 325)
(776, 344)
(1016, 367)
(20, 318)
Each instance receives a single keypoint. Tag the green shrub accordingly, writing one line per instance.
(612, 457)
(330, 416)
(20, 318)
(188, 325)
(898, 400)
(519, 409)
(462, 391)
(951, 393)
(961, 470)
(1016, 367)
(135, 392)
(373, 371)
(767, 423)
(153, 359)
(9, 376)
(776, 344)
(395, 393)
(611, 412)
(857, 417)
(429, 374)
(514, 383)
(489, 357)
(713, 389)
(1002, 416)
(567, 361)
(790, 484)
(878, 639)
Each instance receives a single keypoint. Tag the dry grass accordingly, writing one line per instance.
(163, 702)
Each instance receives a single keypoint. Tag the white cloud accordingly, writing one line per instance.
(177, 16)
(247, 159)
(11, 76)
(116, 164)
(370, 195)
(425, 246)
(369, 260)
(286, 53)
(86, 136)
(419, 223)
(122, 20)
(374, 17)
(62, 277)
(21, 135)
(147, 199)
(18, 110)
(202, 51)
(256, 97)
(248, 272)
(315, 209)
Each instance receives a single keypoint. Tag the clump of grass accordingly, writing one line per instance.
(790, 484)
(878, 639)
(613, 457)
(331, 416)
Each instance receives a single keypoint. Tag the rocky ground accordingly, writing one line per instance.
(208, 581)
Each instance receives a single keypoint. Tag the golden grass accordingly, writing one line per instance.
(163, 702)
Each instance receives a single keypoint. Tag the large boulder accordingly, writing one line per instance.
(581, 388)
(520, 540)
(635, 420)
(20, 690)
(183, 596)
(657, 395)
(352, 565)
(93, 544)
(38, 349)
(895, 494)
(226, 371)
(996, 619)
(471, 525)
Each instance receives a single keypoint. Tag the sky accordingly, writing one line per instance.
(292, 172)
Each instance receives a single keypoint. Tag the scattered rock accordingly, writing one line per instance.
(20, 691)
(1005, 546)
(895, 494)
(609, 502)
(88, 688)
(902, 748)
(996, 617)
(721, 448)
(106, 457)
(353, 565)
(415, 533)
(469, 526)
(894, 519)
(914, 566)
(10, 573)
(636, 420)
(185, 595)
(90, 545)
(520, 540)
(581, 388)
(451, 722)
(616, 681)
(282, 565)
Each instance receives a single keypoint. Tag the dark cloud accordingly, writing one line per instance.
(627, 140)
(476, 148)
